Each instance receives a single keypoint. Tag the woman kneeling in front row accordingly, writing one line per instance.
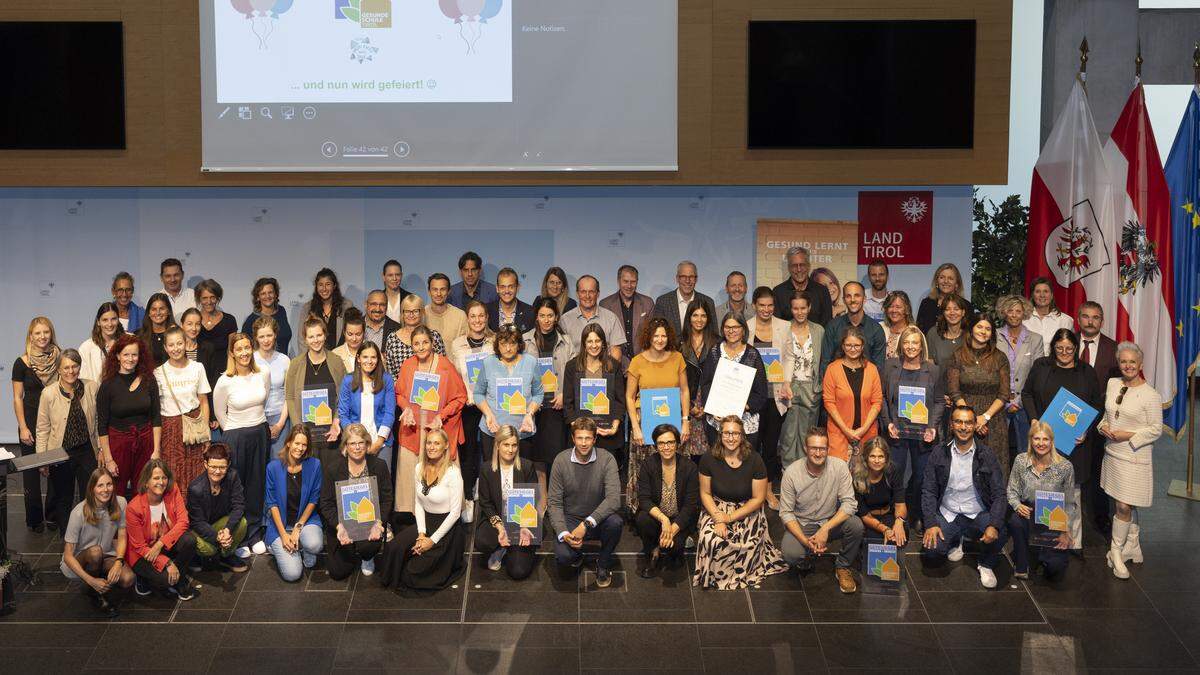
(345, 553)
(295, 533)
(428, 555)
(507, 470)
(1040, 468)
(94, 542)
(160, 546)
(668, 501)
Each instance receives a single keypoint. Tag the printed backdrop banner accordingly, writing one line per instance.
(832, 244)
(896, 227)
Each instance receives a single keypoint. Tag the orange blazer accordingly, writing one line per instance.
(139, 528)
(838, 396)
(453, 395)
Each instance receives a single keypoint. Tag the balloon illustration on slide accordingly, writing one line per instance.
(469, 15)
(262, 15)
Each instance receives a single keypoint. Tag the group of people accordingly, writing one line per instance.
(192, 442)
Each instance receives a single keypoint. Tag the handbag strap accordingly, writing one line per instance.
(171, 389)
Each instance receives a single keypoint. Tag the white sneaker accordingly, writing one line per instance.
(986, 576)
(956, 554)
(496, 559)
(242, 552)
(259, 548)
(468, 510)
(368, 568)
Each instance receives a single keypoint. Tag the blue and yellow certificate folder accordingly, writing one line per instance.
(358, 506)
(474, 363)
(426, 391)
(913, 411)
(882, 570)
(772, 363)
(315, 407)
(508, 393)
(521, 512)
(545, 373)
(593, 395)
(1069, 416)
(1049, 518)
(660, 406)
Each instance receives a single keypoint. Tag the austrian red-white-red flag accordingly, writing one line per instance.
(1073, 214)
(1145, 275)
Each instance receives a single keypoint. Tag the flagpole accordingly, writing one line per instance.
(1083, 59)
(1185, 489)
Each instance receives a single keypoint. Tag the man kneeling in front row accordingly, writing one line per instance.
(582, 502)
(817, 504)
(964, 494)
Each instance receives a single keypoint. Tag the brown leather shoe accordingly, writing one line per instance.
(845, 579)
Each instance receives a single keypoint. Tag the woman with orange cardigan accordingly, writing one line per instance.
(853, 396)
(450, 399)
(159, 544)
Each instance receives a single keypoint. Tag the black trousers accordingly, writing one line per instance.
(68, 483)
(343, 560)
(180, 554)
(770, 425)
(649, 530)
(32, 483)
(469, 454)
(518, 562)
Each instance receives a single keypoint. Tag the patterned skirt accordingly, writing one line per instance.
(185, 461)
(743, 558)
(637, 455)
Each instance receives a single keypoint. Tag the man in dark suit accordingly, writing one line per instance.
(507, 309)
(377, 324)
(821, 307)
(672, 304)
(632, 308)
(1100, 352)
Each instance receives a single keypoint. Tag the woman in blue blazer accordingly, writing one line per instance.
(370, 379)
(295, 534)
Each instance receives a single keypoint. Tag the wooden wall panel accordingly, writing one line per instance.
(162, 71)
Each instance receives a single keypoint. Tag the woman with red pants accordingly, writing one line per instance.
(127, 412)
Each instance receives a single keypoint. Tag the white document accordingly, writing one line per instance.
(730, 389)
(5, 455)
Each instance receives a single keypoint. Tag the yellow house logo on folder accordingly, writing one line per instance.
(775, 372)
(362, 511)
(549, 382)
(528, 516)
(890, 570)
(917, 412)
(429, 398)
(320, 414)
(597, 403)
(514, 403)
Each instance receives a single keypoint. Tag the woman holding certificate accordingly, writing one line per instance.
(368, 397)
(509, 391)
(853, 397)
(427, 555)
(492, 539)
(552, 347)
(1132, 422)
(734, 348)
(347, 551)
(469, 351)
(1040, 469)
(311, 388)
(593, 386)
(429, 395)
(658, 366)
(912, 410)
(1063, 370)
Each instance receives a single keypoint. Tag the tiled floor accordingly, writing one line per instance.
(937, 621)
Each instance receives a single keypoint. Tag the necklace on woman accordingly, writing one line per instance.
(316, 367)
(361, 471)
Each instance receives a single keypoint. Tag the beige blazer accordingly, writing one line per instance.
(293, 382)
(815, 331)
(52, 417)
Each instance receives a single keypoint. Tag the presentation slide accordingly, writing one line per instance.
(457, 85)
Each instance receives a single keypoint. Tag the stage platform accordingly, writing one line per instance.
(939, 620)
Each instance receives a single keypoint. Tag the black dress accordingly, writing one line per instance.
(519, 561)
(218, 336)
(32, 480)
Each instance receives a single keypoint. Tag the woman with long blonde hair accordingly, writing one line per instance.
(1040, 469)
(35, 369)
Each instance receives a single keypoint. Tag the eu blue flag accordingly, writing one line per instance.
(1183, 178)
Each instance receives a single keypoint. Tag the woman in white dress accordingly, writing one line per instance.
(1132, 422)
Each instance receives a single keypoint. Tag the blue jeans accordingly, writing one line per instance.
(1054, 559)
(277, 443)
(1018, 427)
(608, 533)
(291, 565)
(917, 452)
(953, 532)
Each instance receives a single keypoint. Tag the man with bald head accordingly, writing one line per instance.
(672, 305)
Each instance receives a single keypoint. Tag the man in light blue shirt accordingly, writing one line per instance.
(964, 494)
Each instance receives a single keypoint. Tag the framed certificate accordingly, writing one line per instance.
(358, 505)
(521, 512)
(1049, 518)
(426, 391)
(593, 395)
